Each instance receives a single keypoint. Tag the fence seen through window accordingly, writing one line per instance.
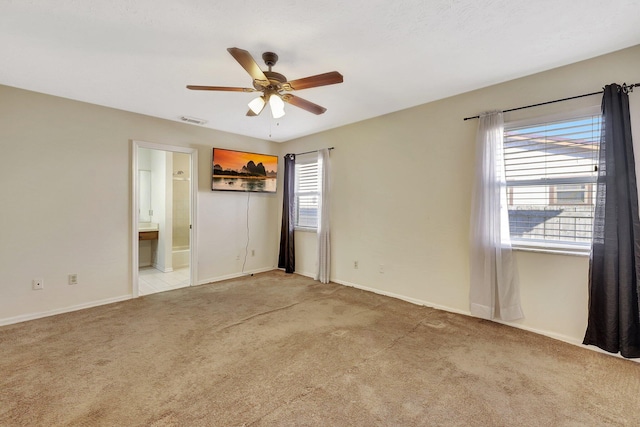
(551, 171)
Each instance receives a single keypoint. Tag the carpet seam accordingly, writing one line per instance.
(253, 316)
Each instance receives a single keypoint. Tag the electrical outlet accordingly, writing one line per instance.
(37, 284)
(73, 279)
(238, 258)
(381, 269)
(355, 265)
(253, 252)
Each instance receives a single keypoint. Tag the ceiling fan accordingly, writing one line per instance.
(272, 84)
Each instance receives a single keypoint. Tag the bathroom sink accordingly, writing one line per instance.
(147, 226)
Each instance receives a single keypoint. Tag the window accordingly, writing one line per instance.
(551, 171)
(307, 191)
(571, 194)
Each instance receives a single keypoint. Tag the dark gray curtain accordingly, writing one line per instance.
(286, 259)
(614, 268)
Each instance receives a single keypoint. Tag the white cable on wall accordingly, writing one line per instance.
(246, 248)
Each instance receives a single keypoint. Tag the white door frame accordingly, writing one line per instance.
(135, 189)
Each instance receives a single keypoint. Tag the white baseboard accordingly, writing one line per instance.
(39, 315)
(309, 275)
(234, 275)
(560, 337)
(163, 269)
(564, 338)
(402, 297)
(554, 335)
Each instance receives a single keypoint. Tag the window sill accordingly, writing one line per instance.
(306, 229)
(555, 250)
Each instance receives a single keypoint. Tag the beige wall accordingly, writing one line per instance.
(180, 206)
(65, 187)
(401, 197)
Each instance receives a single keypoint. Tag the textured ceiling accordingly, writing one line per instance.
(139, 55)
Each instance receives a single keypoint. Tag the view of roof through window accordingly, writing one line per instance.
(551, 171)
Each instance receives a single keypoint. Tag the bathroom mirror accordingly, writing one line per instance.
(144, 182)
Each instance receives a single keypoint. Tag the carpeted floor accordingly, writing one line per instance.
(283, 350)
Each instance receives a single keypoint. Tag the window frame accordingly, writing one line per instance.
(587, 194)
(301, 160)
(550, 246)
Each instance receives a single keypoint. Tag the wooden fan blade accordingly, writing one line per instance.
(250, 113)
(329, 78)
(222, 88)
(245, 59)
(303, 103)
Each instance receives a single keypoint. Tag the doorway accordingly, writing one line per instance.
(164, 189)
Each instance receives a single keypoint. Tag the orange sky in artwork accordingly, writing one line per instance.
(236, 160)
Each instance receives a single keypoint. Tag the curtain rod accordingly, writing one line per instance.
(313, 151)
(625, 87)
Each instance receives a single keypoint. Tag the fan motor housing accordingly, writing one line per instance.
(275, 80)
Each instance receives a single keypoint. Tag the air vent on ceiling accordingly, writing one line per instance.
(193, 120)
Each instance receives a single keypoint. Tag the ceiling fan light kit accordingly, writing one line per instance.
(272, 84)
(257, 105)
(277, 106)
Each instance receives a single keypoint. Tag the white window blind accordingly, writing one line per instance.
(551, 171)
(307, 191)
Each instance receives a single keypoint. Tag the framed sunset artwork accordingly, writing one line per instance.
(243, 171)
